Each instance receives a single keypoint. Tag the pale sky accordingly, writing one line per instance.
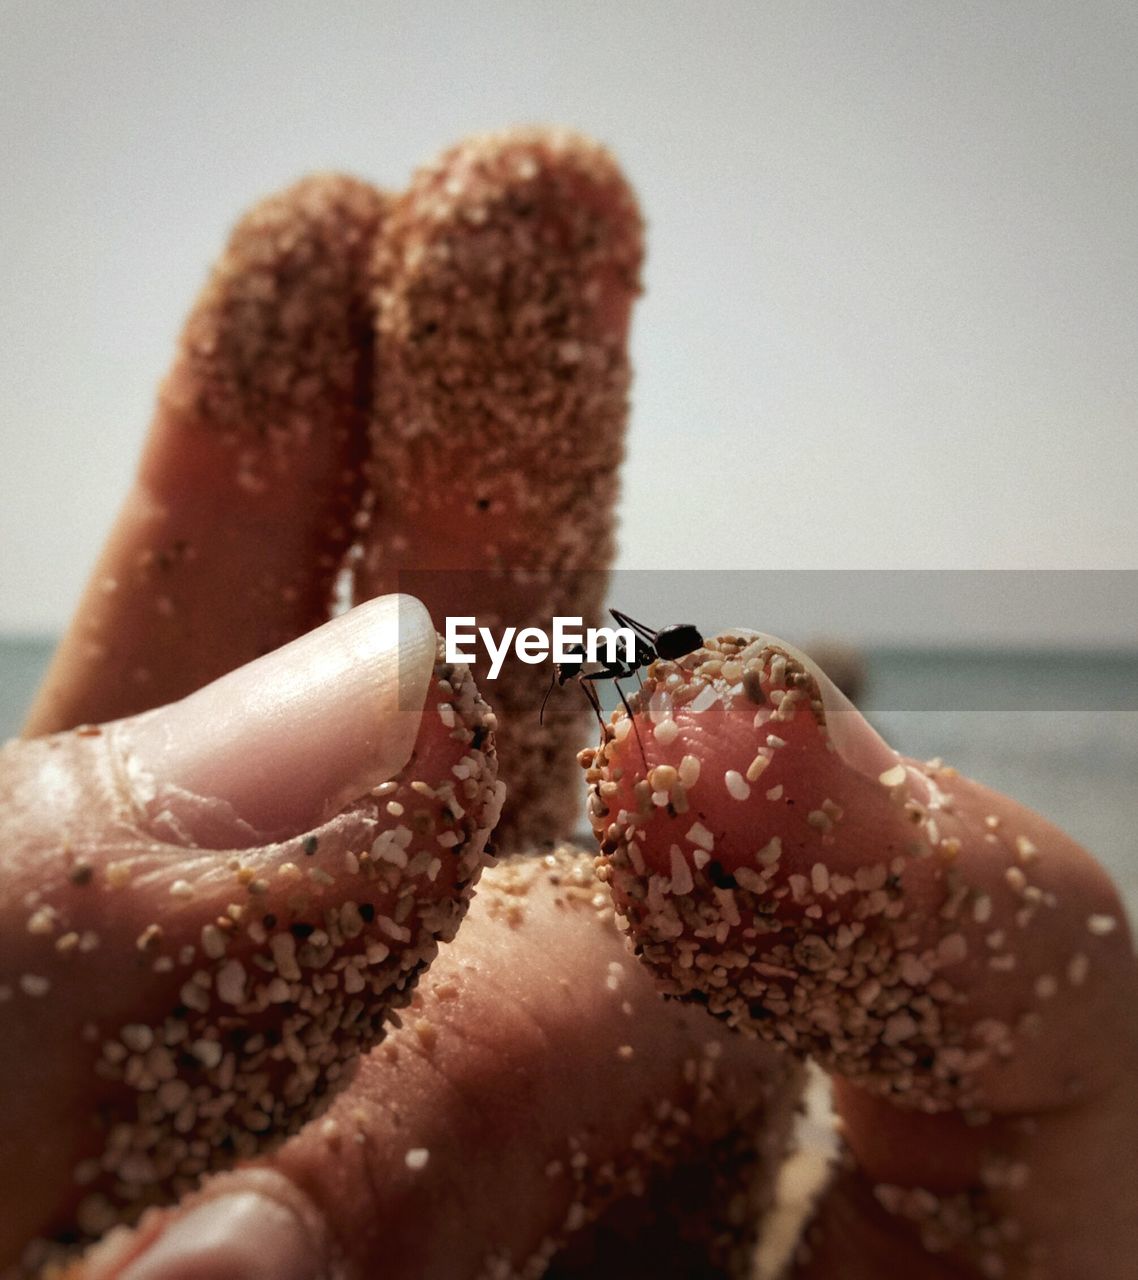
(890, 318)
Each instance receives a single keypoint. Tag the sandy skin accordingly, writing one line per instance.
(270, 433)
(536, 1068)
(426, 391)
(181, 986)
(949, 956)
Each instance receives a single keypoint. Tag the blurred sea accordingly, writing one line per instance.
(1059, 731)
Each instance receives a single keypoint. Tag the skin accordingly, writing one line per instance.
(279, 339)
(418, 380)
(504, 284)
(141, 925)
(993, 921)
(340, 1193)
(494, 1074)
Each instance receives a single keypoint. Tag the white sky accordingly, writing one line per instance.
(891, 316)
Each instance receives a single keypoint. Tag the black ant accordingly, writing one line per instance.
(670, 642)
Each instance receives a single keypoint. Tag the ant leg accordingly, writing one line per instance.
(594, 700)
(632, 718)
(541, 713)
(617, 671)
(614, 672)
(559, 677)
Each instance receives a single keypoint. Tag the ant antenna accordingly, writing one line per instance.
(645, 633)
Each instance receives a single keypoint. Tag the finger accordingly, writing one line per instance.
(230, 540)
(705, 1215)
(536, 1077)
(208, 910)
(951, 957)
(505, 278)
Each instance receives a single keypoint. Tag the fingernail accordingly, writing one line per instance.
(288, 740)
(856, 742)
(243, 1234)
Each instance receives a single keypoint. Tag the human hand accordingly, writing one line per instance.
(208, 910)
(362, 1203)
(989, 1124)
(961, 967)
(430, 387)
(539, 1111)
(382, 381)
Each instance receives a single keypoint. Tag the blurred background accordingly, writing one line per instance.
(890, 318)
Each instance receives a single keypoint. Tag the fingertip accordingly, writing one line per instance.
(254, 1223)
(229, 543)
(504, 281)
(931, 941)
